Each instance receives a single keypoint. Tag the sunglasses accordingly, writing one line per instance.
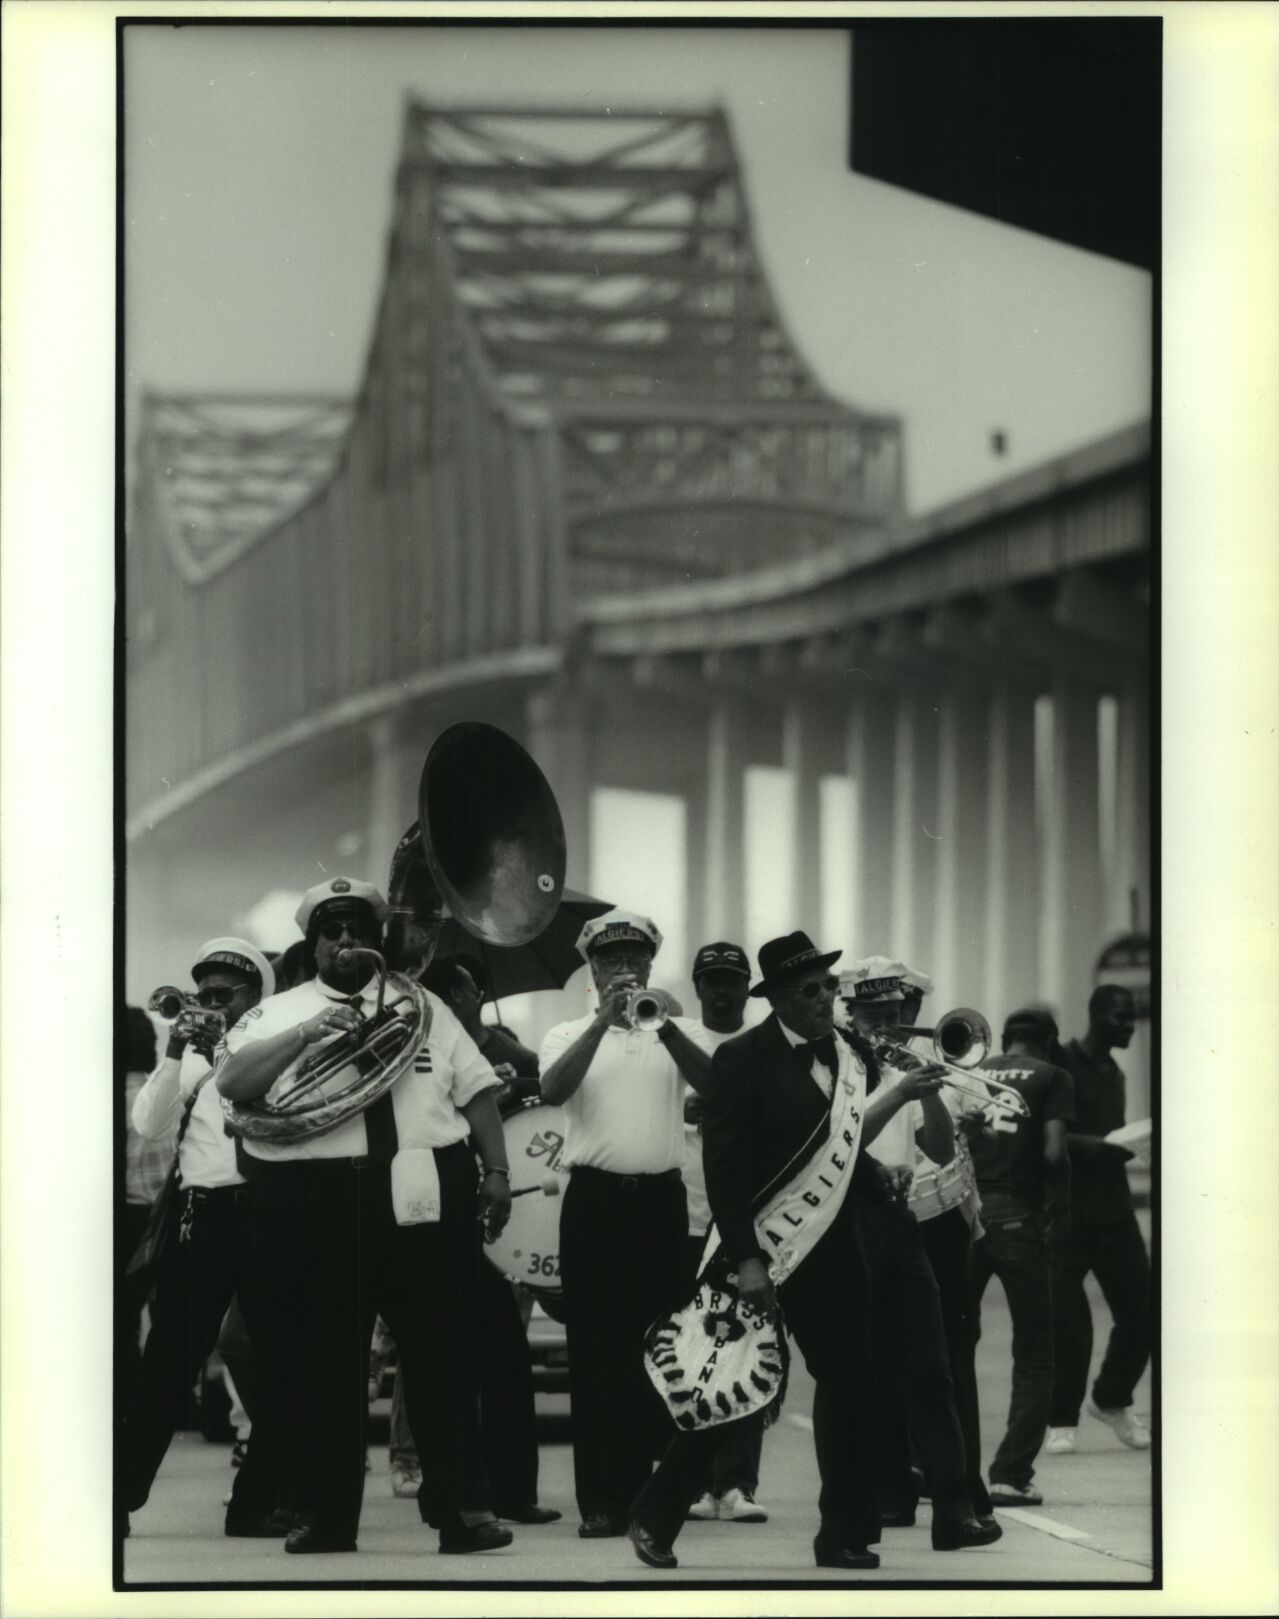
(217, 996)
(351, 926)
(823, 986)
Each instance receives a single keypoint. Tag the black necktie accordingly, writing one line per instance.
(823, 1049)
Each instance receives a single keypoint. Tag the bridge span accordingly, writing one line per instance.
(589, 490)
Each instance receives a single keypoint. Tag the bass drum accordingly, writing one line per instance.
(528, 1250)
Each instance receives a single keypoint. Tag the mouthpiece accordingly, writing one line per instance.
(346, 958)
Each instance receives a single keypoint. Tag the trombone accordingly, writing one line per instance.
(961, 1043)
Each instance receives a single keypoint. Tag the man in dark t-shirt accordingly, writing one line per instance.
(1101, 1236)
(1022, 1164)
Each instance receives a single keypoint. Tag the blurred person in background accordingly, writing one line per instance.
(201, 1269)
(1023, 1176)
(146, 1167)
(1101, 1236)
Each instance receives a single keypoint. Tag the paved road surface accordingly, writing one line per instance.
(1095, 1525)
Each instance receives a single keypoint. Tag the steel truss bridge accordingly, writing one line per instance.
(589, 489)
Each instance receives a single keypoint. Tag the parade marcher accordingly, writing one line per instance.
(1102, 1236)
(201, 1270)
(377, 1211)
(1021, 1158)
(912, 1359)
(721, 978)
(624, 1221)
(146, 1166)
(786, 1117)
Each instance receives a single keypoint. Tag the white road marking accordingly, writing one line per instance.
(1048, 1526)
(801, 1421)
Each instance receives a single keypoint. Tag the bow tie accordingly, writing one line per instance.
(823, 1049)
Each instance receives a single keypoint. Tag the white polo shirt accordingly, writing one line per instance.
(627, 1115)
(207, 1154)
(691, 1170)
(447, 1074)
(895, 1143)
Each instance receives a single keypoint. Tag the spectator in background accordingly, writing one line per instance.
(1101, 1236)
(1019, 1157)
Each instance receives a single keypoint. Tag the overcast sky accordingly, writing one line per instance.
(259, 170)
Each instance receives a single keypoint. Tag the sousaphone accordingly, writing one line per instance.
(488, 850)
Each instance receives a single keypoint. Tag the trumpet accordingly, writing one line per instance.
(645, 1010)
(201, 1025)
(961, 1043)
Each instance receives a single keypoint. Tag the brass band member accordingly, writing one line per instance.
(201, 1269)
(379, 1212)
(624, 1220)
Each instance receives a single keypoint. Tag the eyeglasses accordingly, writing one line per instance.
(822, 986)
(217, 996)
(350, 925)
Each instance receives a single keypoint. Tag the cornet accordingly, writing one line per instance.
(201, 1025)
(645, 1010)
(961, 1034)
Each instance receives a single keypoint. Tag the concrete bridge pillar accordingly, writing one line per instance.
(1013, 872)
(392, 791)
(1130, 878)
(914, 826)
(802, 736)
(558, 736)
(960, 909)
(870, 740)
(1072, 926)
(720, 842)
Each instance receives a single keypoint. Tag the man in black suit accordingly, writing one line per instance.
(772, 1089)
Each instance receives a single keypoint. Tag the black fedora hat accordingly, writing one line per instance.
(782, 958)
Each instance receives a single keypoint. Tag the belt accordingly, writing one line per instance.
(255, 1167)
(630, 1183)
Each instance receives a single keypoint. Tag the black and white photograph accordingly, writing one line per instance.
(635, 838)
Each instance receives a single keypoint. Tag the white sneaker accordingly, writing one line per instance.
(704, 1508)
(405, 1480)
(1013, 1495)
(740, 1506)
(1060, 1441)
(1132, 1430)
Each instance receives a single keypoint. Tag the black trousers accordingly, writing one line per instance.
(1015, 1249)
(325, 1256)
(1116, 1254)
(948, 1242)
(910, 1351)
(622, 1265)
(826, 1303)
(131, 1226)
(508, 1419)
(197, 1282)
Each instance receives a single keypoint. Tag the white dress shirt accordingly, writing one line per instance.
(691, 1170)
(447, 1074)
(207, 1154)
(821, 1074)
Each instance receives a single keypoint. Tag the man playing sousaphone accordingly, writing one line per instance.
(786, 1119)
(363, 1211)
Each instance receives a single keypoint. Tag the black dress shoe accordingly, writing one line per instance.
(649, 1550)
(311, 1539)
(897, 1520)
(257, 1526)
(599, 1526)
(530, 1514)
(475, 1537)
(957, 1537)
(988, 1521)
(845, 1556)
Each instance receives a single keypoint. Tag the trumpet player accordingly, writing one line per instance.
(201, 1268)
(376, 1211)
(624, 1220)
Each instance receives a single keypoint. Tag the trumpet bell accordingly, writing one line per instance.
(963, 1037)
(168, 1001)
(645, 1011)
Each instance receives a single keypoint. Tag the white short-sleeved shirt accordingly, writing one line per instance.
(694, 1175)
(207, 1154)
(627, 1115)
(447, 1074)
(895, 1143)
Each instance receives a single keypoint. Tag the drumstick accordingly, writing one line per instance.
(550, 1187)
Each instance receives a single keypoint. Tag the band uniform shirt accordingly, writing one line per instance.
(895, 1144)
(447, 1074)
(627, 1115)
(1099, 1188)
(207, 1154)
(692, 1170)
(1008, 1156)
(147, 1159)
